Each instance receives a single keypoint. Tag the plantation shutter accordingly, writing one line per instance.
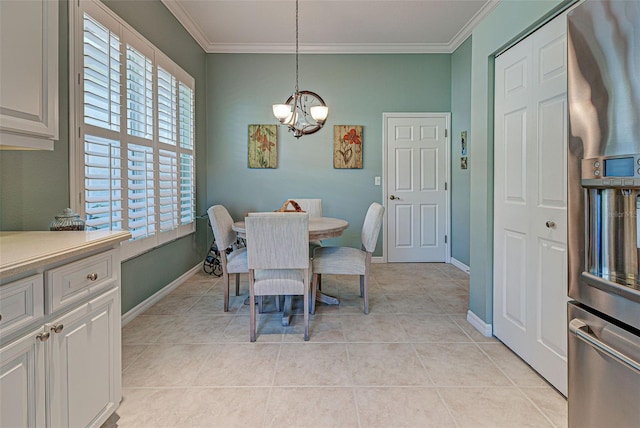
(135, 112)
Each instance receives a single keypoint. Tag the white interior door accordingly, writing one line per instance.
(417, 159)
(530, 185)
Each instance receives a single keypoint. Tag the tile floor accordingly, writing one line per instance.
(414, 361)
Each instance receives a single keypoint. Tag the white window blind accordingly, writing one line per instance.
(139, 175)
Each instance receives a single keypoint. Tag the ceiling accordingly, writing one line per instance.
(330, 26)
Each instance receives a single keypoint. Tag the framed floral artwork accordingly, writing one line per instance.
(347, 146)
(263, 146)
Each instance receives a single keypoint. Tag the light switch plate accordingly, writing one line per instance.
(377, 181)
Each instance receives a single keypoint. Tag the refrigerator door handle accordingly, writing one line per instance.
(583, 332)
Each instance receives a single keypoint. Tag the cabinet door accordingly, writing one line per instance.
(85, 385)
(29, 74)
(22, 382)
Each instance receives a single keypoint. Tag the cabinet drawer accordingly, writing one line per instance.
(21, 303)
(78, 280)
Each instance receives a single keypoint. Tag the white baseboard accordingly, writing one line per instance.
(460, 265)
(158, 295)
(377, 260)
(480, 325)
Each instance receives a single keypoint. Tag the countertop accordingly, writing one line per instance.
(25, 251)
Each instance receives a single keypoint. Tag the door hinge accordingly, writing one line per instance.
(79, 79)
(446, 186)
(445, 239)
(446, 133)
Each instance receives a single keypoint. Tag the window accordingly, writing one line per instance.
(134, 155)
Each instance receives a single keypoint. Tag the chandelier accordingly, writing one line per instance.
(304, 112)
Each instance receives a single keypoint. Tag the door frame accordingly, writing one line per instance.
(447, 172)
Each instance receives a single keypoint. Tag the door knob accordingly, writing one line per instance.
(57, 328)
(393, 197)
(43, 337)
(550, 224)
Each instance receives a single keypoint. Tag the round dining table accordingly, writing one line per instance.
(319, 228)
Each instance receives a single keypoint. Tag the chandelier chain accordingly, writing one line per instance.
(297, 90)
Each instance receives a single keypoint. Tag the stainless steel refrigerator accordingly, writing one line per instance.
(604, 207)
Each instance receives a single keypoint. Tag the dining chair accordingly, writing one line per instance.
(278, 259)
(234, 262)
(313, 207)
(348, 260)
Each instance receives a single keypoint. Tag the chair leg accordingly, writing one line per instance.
(226, 292)
(306, 314)
(237, 284)
(314, 292)
(260, 304)
(277, 300)
(361, 285)
(252, 315)
(365, 284)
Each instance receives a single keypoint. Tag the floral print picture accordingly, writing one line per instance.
(263, 146)
(347, 146)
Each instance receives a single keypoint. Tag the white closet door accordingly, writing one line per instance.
(530, 185)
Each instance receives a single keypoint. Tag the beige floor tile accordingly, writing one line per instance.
(459, 364)
(130, 353)
(401, 407)
(311, 407)
(416, 302)
(194, 328)
(198, 285)
(192, 365)
(455, 303)
(492, 407)
(372, 328)
(214, 304)
(166, 365)
(268, 328)
(551, 403)
(471, 331)
(386, 364)
(322, 328)
(431, 328)
(517, 370)
(173, 304)
(145, 329)
(313, 364)
(192, 407)
(239, 364)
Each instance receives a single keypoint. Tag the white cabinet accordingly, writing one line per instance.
(22, 382)
(85, 363)
(28, 74)
(60, 356)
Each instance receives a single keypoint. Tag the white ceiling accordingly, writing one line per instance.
(330, 26)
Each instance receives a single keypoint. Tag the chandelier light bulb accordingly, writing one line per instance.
(319, 113)
(281, 111)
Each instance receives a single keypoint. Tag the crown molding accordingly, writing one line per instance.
(467, 30)
(334, 48)
(183, 18)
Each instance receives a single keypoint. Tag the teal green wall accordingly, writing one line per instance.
(150, 272)
(357, 89)
(460, 178)
(509, 21)
(34, 185)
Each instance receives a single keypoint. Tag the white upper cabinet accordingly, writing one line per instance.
(28, 74)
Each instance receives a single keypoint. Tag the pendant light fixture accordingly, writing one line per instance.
(304, 112)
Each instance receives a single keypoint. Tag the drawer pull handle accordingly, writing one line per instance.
(92, 276)
(43, 337)
(57, 328)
